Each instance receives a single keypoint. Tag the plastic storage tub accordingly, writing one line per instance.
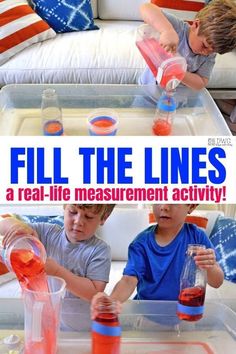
(148, 327)
(196, 114)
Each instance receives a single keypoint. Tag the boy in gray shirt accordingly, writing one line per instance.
(74, 252)
(213, 31)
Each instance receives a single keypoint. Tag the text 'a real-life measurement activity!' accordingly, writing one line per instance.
(116, 170)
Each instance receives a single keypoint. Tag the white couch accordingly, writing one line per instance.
(118, 231)
(105, 56)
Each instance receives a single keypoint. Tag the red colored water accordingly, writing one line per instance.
(31, 274)
(153, 53)
(161, 127)
(154, 56)
(103, 123)
(103, 344)
(3, 268)
(48, 344)
(53, 128)
(29, 270)
(193, 297)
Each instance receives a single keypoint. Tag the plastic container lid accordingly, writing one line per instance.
(171, 72)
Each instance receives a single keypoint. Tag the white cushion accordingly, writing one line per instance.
(224, 71)
(119, 10)
(211, 215)
(108, 55)
(122, 226)
(94, 5)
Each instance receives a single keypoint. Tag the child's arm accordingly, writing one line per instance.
(11, 228)
(153, 15)
(82, 287)
(194, 81)
(124, 288)
(206, 259)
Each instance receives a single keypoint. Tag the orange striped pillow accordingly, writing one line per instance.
(183, 9)
(20, 27)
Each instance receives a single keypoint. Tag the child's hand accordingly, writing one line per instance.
(169, 40)
(205, 258)
(96, 300)
(17, 230)
(51, 266)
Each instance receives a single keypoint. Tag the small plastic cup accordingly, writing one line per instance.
(102, 122)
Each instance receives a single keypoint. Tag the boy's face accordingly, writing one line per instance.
(81, 224)
(198, 43)
(172, 216)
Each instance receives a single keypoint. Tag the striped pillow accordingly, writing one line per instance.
(184, 9)
(20, 27)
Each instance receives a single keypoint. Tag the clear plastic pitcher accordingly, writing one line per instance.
(26, 256)
(42, 317)
(168, 69)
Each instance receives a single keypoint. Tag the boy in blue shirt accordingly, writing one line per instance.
(212, 31)
(157, 254)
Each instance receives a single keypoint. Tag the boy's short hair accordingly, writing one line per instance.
(217, 23)
(103, 209)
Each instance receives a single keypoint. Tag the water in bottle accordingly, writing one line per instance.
(106, 329)
(51, 114)
(163, 120)
(191, 299)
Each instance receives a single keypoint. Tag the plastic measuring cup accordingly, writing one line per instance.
(168, 68)
(42, 317)
(102, 121)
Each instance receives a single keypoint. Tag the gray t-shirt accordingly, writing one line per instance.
(196, 63)
(90, 259)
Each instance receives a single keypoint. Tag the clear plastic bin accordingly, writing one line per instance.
(196, 114)
(147, 327)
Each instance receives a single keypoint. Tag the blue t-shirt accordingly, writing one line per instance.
(158, 268)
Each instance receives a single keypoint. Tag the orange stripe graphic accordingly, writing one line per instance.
(179, 4)
(22, 35)
(15, 13)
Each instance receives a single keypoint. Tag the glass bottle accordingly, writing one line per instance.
(163, 121)
(51, 114)
(106, 329)
(191, 299)
(26, 256)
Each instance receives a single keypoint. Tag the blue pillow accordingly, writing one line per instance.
(223, 237)
(59, 220)
(66, 15)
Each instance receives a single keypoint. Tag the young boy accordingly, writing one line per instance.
(74, 252)
(213, 31)
(156, 257)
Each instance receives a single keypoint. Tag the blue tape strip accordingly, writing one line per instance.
(106, 330)
(190, 310)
